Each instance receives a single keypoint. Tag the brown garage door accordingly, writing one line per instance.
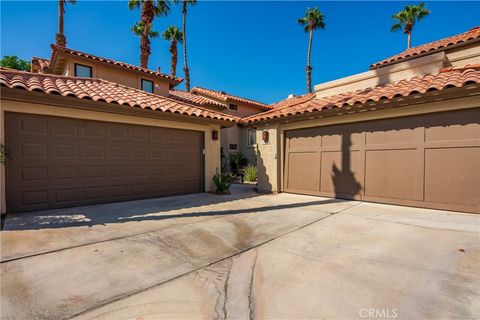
(429, 161)
(60, 162)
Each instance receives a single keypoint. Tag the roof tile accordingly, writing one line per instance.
(102, 90)
(223, 96)
(309, 103)
(472, 34)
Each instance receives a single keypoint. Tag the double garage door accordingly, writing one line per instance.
(429, 161)
(60, 162)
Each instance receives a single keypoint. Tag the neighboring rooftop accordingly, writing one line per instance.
(467, 37)
(226, 97)
(195, 99)
(58, 49)
(104, 91)
(448, 78)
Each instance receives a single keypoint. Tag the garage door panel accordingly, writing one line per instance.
(36, 198)
(446, 177)
(453, 126)
(27, 127)
(93, 130)
(303, 170)
(340, 175)
(387, 135)
(430, 160)
(393, 174)
(84, 162)
(302, 138)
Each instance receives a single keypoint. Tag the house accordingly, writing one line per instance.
(237, 138)
(82, 129)
(405, 132)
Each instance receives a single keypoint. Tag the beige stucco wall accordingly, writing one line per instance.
(464, 55)
(116, 74)
(430, 64)
(271, 155)
(238, 135)
(212, 148)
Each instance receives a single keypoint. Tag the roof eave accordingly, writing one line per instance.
(17, 94)
(453, 46)
(412, 100)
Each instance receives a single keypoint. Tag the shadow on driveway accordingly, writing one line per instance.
(144, 210)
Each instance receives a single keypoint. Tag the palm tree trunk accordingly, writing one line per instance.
(144, 51)
(147, 16)
(409, 40)
(308, 67)
(60, 37)
(185, 64)
(173, 61)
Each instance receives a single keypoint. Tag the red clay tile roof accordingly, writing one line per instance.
(403, 88)
(56, 49)
(292, 101)
(42, 63)
(105, 91)
(469, 36)
(195, 99)
(223, 96)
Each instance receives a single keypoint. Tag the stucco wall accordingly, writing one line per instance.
(268, 159)
(116, 74)
(239, 135)
(270, 156)
(212, 148)
(430, 64)
(464, 55)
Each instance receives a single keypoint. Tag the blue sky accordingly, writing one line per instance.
(252, 49)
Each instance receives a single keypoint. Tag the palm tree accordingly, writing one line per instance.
(313, 20)
(149, 10)
(60, 37)
(185, 63)
(406, 19)
(139, 30)
(175, 35)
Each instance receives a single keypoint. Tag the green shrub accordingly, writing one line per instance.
(3, 154)
(237, 162)
(250, 173)
(222, 182)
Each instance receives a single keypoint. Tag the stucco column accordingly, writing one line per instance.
(3, 206)
(268, 159)
(212, 157)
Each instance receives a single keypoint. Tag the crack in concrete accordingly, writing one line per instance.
(251, 301)
(225, 289)
(126, 295)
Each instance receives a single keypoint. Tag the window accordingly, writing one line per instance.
(147, 85)
(252, 137)
(232, 106)
(83, 71)
(233, 147)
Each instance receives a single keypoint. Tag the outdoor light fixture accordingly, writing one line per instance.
(214, 135)
(265, 136)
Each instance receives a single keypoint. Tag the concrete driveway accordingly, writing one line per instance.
(241, 256)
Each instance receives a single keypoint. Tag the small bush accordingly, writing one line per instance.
(237, 162)
(222, 182)
(3, 154)
(250, 173)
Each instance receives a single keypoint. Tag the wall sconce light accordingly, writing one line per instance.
(265, 136)
(214, 135)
